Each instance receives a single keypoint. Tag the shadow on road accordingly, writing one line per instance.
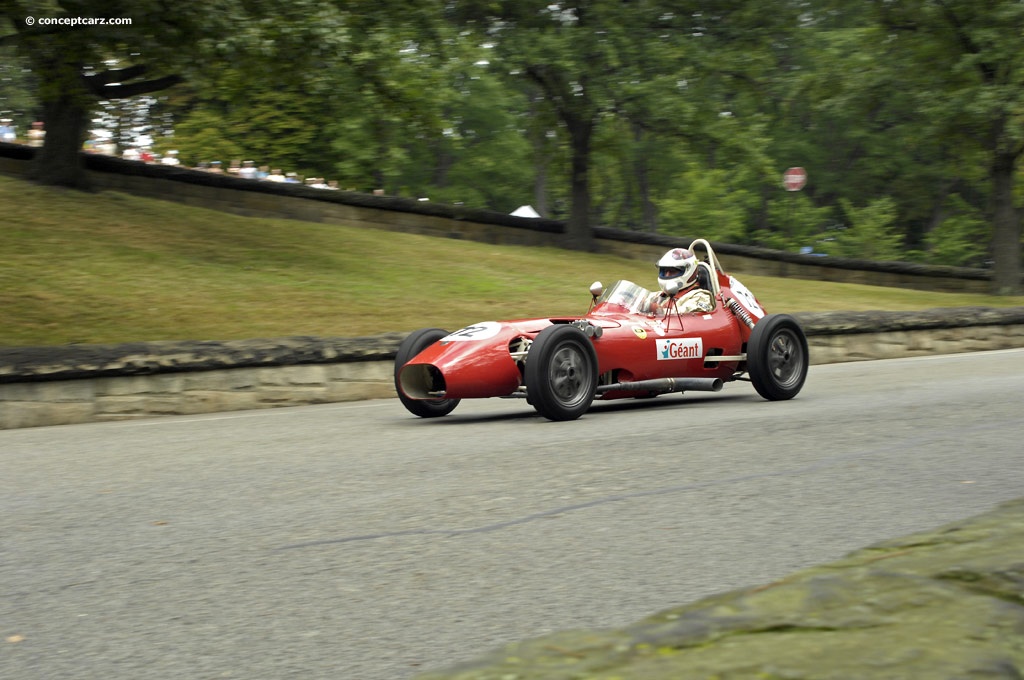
(519, 409)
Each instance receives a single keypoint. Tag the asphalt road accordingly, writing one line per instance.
(354, 541)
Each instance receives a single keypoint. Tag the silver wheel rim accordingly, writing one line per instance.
(785, 358)
(568, 376)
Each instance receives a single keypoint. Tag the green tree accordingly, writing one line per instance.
(888, 100)
(161, 46)
(71, 65)
(710, 120)
(584, 59)
(232, 118)
(868, 233)
(371, 90)
(17, 89)
(962, 67)
(481, 157)
(960, 236)
(717, 194)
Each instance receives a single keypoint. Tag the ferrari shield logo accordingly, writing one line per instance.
(640, 332)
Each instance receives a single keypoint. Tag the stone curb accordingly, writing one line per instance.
(852, 323)
(71, 362)
(87, 383)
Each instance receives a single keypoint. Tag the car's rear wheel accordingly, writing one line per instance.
(414, 343)
(561, 373)
(777, 357)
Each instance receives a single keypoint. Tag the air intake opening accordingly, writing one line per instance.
(422, 381)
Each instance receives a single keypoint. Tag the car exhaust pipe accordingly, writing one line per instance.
(663, 385)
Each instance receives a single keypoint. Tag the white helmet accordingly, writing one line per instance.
(677, 265)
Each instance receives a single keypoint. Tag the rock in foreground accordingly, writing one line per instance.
(942, 604)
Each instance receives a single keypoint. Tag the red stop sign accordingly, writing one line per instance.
(794, 179)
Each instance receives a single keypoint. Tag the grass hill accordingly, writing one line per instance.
(110, 267)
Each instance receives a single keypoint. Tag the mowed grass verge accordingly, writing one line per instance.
(111, 267)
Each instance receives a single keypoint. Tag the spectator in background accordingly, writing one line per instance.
(37, 134)
(171, 158)
(248, 170)
(275, 175)
(7, 133)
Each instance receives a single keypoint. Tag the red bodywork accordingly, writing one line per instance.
(486, 359)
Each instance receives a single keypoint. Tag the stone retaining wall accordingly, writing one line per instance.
(85, 383)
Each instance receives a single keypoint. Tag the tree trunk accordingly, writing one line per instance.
(59, 161)
(579, 235)
(1005, 228)
(66, 106)
(443, 161)
(643, 180)
(540, 188)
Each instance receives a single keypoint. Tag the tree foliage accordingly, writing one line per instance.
(676, 117)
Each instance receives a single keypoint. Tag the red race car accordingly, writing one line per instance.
(631, 343)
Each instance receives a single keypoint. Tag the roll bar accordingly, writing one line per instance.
(712, 262)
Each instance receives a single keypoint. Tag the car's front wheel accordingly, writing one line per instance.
(414, 343)
(777, 357)
(561, 373)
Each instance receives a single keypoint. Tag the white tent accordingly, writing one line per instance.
(525, 211)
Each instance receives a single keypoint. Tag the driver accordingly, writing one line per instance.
(679, 265)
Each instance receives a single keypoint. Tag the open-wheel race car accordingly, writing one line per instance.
(626, 346)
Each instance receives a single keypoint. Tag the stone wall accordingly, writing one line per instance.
(836, 337)
(947, 603)
(85, 383)
(84, 400)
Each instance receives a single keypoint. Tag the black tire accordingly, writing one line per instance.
(561, 373)
(777, 357)
(414, 343)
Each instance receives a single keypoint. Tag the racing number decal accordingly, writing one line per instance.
(480, 331)
(746, 297)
